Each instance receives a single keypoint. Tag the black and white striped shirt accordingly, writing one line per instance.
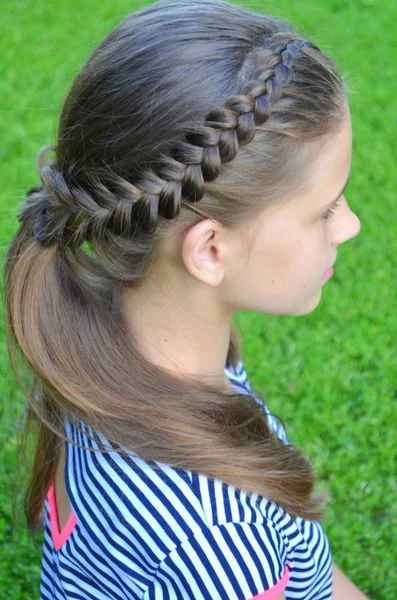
(137, 534)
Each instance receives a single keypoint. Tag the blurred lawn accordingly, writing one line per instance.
(330, 375)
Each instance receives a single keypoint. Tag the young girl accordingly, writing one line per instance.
(202, 156)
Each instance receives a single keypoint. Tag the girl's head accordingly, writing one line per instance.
(197, 151)
(205, 101)
(293, 241)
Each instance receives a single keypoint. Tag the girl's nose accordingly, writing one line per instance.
(347, 227)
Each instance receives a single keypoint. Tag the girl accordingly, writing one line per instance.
(201, 161)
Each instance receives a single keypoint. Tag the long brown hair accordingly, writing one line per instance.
(168, 99)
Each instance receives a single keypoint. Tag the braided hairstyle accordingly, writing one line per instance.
(200, 105)
(69, 215)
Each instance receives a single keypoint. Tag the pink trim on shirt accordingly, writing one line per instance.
(276, 590)
(59, 537)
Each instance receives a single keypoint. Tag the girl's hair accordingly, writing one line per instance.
(182, 103)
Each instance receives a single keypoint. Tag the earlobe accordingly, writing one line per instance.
(209, 269)
(214, 275)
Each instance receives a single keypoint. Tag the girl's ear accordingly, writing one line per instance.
(203, 252)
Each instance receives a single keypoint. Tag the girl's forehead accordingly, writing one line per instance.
(329, 164)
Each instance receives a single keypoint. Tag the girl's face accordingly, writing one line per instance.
(295, 243)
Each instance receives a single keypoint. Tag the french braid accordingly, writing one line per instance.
(68, 214)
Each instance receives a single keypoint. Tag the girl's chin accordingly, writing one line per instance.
(310, 304)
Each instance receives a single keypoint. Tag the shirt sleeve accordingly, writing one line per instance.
(234, 561)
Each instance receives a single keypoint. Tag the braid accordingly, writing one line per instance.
(67, 215)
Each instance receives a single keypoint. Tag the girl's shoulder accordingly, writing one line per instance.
(150, 518)
(129, 490)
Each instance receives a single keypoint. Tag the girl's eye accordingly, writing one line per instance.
(331, 210)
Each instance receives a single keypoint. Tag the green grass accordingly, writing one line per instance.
(331, 375)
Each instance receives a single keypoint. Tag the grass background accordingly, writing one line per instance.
(331, 375)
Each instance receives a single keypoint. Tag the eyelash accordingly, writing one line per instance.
(331, 210)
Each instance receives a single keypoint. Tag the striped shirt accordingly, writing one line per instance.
(138, 534)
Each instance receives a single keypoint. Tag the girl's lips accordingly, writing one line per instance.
(329, 273)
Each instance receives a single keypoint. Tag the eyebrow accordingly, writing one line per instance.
(339, 195)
